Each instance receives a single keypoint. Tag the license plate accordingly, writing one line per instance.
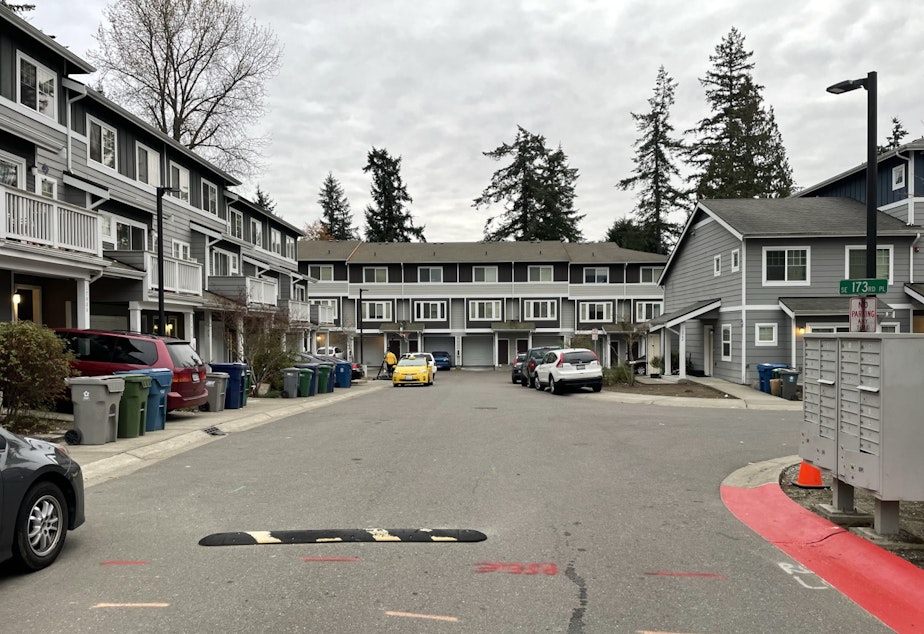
(195, 377)
(579, 367)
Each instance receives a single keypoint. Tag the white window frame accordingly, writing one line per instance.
(549, 306)
(654, 272)
(787, 282)
(237, 224)
(438, 270)
(256, 232)
(425, 311)
(486, 272)
(333, 304)
(493, 304)
(645, 311)
(772, 341)
(103, 129)
(603, 307)
(717, 265)
(890, 326)
(114, 231)
(152, 165)
(183, 184)
(209, 200)
(539, 273)
(180, 249)
(233, 262)
(42, 179)
(39, 70)
(376, 311)
(829, 327)
(276, 241)
(851, 248)
(898, 177)
(325, 272)
(375, 275)
(19, 165)
(726, 342)
(735, 260)
(595, 272)
(299, 292)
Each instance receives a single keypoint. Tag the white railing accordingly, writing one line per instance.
(261, 291)
(298, 311)
(180, 276)
(43, 221)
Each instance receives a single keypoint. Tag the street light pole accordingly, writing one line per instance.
(162, 320)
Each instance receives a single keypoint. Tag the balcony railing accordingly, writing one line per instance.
(298, 311)
(180, 276)
(262, 291)
(34, 219)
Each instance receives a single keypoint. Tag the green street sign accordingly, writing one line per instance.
(864, 287)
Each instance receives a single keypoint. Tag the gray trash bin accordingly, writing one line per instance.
(290, 377)
(96, 409)
(789, 380)
(217, 385)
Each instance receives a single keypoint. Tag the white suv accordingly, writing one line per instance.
(331, 351)
(569, 368)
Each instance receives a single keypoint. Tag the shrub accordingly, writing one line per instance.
(33, 367)
(618, 374)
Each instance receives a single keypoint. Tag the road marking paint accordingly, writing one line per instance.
(322, 540)
(331, 559)
(437, 538)
(652, 632)
(433, 617)
(794, 571)
(130, 605)
(707, 575)
(264, 537)
(119, 562)
(382, 535)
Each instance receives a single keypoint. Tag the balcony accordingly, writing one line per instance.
(298, 311)
(257, 291)
(180, 276)
(33, 219)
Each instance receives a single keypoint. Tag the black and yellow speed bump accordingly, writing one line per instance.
(349, 535)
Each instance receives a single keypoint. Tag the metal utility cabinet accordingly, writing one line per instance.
(863, 399)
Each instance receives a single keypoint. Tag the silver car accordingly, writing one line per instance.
(571, 368)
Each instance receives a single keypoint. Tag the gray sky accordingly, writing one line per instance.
(440, 82)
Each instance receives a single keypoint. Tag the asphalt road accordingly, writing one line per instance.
(600, 516)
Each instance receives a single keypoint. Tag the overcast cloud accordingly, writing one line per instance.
(439, 83)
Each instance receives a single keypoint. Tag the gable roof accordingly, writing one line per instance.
(917, 144)
(608, 252)
(326, 250)
(80, 66)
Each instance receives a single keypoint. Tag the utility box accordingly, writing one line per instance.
(862, 404)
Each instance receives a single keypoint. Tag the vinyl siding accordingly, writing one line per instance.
(691, 279)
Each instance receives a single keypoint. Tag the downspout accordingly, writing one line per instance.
(81, 91)
(744, 312)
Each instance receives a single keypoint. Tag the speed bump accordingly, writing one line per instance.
(350, 535)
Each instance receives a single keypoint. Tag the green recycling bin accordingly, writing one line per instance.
(304, 381)
(323, 377)
(248, 383)
(133, 405)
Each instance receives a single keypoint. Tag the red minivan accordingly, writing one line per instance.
(100, 352)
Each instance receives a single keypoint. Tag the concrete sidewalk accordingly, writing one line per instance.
(740, 396)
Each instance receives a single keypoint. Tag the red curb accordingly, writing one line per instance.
(886, 586)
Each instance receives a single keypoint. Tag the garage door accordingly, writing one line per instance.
(443, 344)
(478, 351)
(546, 340)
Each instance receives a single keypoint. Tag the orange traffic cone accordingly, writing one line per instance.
(809, 477)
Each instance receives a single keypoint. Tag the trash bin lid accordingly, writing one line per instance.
(112, 383)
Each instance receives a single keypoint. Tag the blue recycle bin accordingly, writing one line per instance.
(313, 385)
(234, 396)
(765, 373)
(156, 409)
(344, 373)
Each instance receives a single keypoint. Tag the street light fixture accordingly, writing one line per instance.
(161, 316)
(869, 83)
(359, 321)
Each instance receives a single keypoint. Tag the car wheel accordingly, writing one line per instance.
(524, 382)
(554, 387)
(537, 383)
(41, 527)
(513, 380)
(597, 387)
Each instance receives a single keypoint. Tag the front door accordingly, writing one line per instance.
(503, 351)
(27, 303)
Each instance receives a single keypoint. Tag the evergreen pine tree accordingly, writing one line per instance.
(387, 219)
(336, 216)
(263, 200)
(629, 235)
(654, 173)
(739, 152)
(894, 140)
(537, 190)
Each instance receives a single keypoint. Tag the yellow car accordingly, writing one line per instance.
(412, 370)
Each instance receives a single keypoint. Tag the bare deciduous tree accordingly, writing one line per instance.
(195, 69)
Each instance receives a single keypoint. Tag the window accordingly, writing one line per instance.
(717, 266)
(827, 328)
(300, 293)
(224, 263)
(45, 186)
(650, 274)
(726, 342)
(130, 237)
(430, 311)
(379, 311)
(179, 180)
(12, 170)
(856, 263)
(180, 250)
(786, 266)
(332, 304)
(596, 275)
(645, 311)
(323, 272)
(484, 273)
(764, 334)
(375, 275)
(102, 143)
(898, 177)
(210, 198)
(540, 274)
(36, 87)
(432, 274)
(597, 311)
(484, 310)
(736, 261)
(290, 247)
(540, 309)
(147, 165)
(237, 225)
(256, 232)
(276, 241)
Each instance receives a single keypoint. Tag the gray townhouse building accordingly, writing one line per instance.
(748, 278)
(79, 179)
(482, 301)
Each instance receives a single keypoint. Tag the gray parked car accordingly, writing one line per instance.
(41, 498)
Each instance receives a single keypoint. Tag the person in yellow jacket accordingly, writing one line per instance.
(390, 362)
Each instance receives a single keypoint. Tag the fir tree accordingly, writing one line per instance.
(537, 191)
(655, 172)
(387, 219)
(262, 199)
(894, 140)
(739, 152)
(336, 216)
(629, 235)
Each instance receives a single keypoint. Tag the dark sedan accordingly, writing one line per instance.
(41, 498)
(442, 359)
(516, 371)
